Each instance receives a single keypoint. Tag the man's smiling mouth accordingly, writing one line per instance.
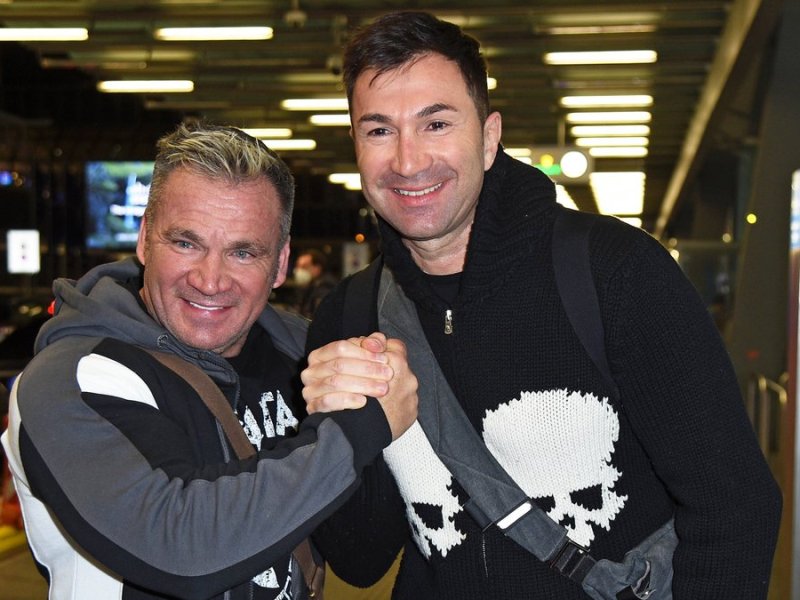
(203, 307)
(427, 190)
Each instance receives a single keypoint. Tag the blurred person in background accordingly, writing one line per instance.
(313, 280)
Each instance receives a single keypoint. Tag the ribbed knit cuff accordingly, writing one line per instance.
(366, 429)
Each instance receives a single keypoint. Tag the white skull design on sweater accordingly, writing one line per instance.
(556, 445)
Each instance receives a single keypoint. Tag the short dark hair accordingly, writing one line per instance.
(403, 37)
(228, 153)
(318, 258)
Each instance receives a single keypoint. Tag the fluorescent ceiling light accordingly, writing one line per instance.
(607, 101)
(336, 119)
(351, 181)
(44, 34)
(620, 193)
(464, 21)
(269, 132)
(563, 197)
(602, 19)
(119, 66)
(188, 104)
(619, 152)
(593, 142)
(293, 144)
(149, 55)
(146, 86)
(598, 130)
(73, 62)
(212, 34)
(314, 104)
(618, 116)
(605, 57)
(635, 221)
(595, 29)
(518, 152)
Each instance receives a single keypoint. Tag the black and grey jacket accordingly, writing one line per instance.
(611, 469)
(127, 487)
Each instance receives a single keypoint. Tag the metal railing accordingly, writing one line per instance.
(765, 402)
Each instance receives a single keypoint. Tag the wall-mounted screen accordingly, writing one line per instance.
(116, 196)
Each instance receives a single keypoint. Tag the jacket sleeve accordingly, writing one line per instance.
(362, 539)
(122, 474)
(680, 393)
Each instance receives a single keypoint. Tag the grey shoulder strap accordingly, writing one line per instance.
(495, 498)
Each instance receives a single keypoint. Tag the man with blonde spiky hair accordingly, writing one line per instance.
(129, 486)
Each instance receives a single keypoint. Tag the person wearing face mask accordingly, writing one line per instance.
(313, 280)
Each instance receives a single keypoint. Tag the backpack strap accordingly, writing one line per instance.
(576, 287)
(212, 397)
(360, 313)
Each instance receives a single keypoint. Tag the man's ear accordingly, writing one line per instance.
(141, 241)
(492, 131)
(283, 265)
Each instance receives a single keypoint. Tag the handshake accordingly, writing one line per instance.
(341, 375)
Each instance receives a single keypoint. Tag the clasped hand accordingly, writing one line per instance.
(341, 374)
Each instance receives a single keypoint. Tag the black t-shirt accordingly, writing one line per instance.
(268, 410)
(269, 407)
(269, 404)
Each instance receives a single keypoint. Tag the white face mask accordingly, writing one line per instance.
(302, 276)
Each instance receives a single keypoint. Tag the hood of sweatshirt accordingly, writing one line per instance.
(100, 305)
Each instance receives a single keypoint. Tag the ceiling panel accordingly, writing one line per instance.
(243, 82)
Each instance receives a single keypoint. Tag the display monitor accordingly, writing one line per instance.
(116, 196)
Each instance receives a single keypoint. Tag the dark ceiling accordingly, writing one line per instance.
(706, 82)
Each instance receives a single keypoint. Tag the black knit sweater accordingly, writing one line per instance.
(676, 442)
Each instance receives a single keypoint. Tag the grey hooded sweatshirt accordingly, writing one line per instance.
(127, 486)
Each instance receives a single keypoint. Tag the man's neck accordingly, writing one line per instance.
(440, 256)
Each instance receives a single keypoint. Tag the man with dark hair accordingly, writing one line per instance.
(129, 486)
(467, 235)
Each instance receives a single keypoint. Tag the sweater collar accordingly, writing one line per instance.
(513, 198)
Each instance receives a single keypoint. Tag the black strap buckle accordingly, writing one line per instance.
(572, 561)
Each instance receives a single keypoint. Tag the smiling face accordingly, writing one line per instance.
(422, 152)
(211, 259)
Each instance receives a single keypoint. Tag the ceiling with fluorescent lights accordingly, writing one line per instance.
(705, 83)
